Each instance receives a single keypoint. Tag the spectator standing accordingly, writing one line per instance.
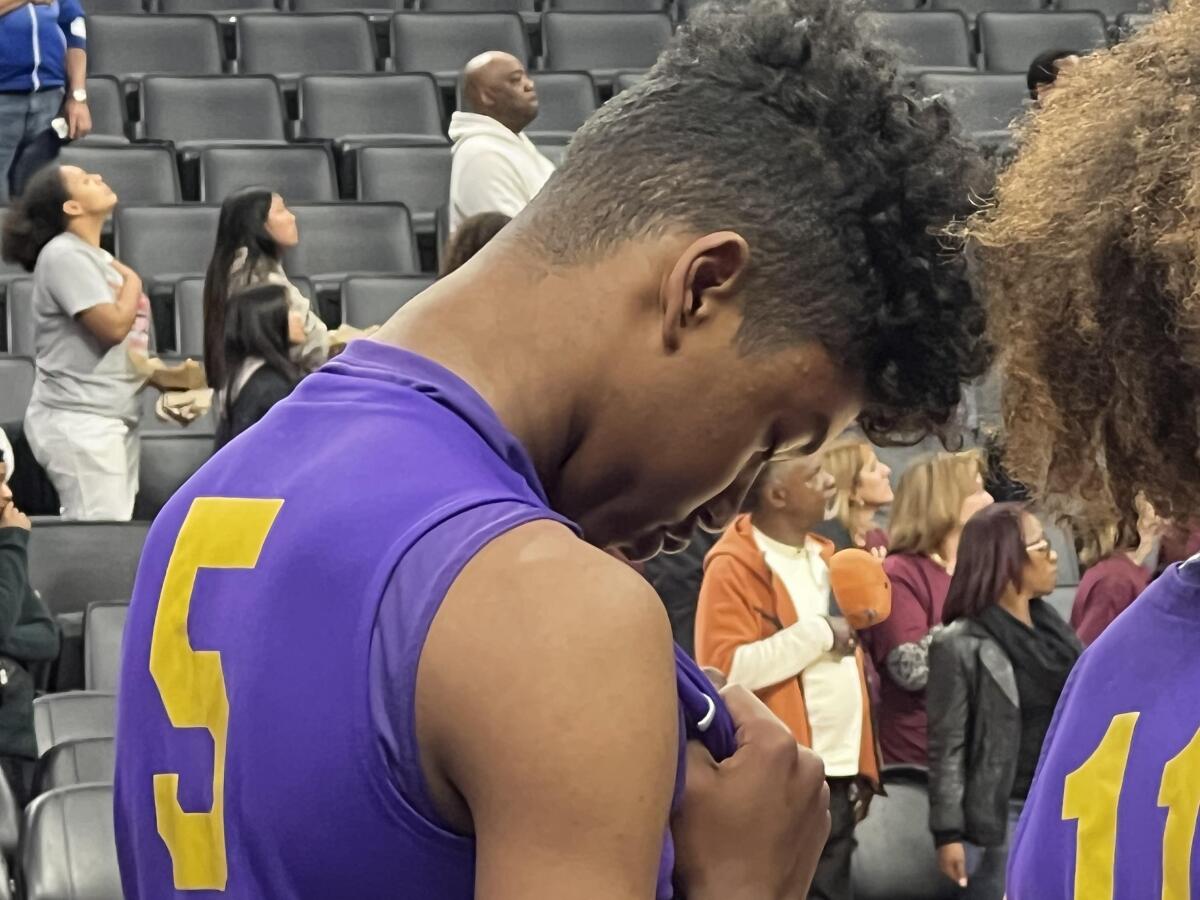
(255, 228)
(90, 315)
(1044, 71)
(43, 58)
(995, 675)
(27, 635)
(260, 329)
(470, 238)
(763, 622)
(1119, 559)
(935, 498)
(496, 168)
(864, 487)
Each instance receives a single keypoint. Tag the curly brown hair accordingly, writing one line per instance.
(1089, 258)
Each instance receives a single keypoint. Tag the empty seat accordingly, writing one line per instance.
(442, 43)
(343, 239)
(565, 100)
(289, 45)
(625, 80)
(16, 374)
(73, 716)
(21, 322)
(103, 626)
(603, 43)
(972, 8)
(895, 858)
(418, 177)
(1111, 9)
(922, 39)
(70, 852)
(90, 761)
(139, 173)
(165, 243)
(189, 330)
(205, 110)
(115, 7)
(555, 151)
(77, 563)
(478, 6)
(372, 301)
(892, 5)
(393, 106)
(10, 831)
(215, 6)
(301, 173)
(1010, 41)
(369, 6)
(983, 104)
(168, 460)
(614, 6)
(145, 45)
(1128, 23)
(106, 101)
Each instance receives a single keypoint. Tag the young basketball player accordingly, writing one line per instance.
(374, 650)
(1090, 261)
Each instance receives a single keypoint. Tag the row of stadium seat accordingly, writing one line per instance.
(1111, 9)
(289, 45)
(375, 7)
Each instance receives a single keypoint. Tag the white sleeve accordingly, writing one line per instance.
(489, 182)
(781, 656)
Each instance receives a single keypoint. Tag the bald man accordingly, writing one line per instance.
(495, 168)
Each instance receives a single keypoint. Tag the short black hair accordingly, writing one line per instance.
(780, 120)
(1043, 69)
(471, 237)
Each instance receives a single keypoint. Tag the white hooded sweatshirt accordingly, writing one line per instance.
(494, 169)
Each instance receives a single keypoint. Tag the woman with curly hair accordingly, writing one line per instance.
(1089, 258)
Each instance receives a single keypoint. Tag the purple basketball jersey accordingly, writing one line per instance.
(265, 735)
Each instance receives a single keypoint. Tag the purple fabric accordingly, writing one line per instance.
(1146, 663)
(393, 473)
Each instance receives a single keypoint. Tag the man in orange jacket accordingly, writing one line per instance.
(764, 621)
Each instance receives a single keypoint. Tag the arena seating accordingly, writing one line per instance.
(418, 177)
(196, 110)
(20, 330)
(139, 173)
(290, 45)
(109, 111)
(87, 761)
(168, 460)
(103, 625)
(1010, 41)
(984, 104)
(442, 43)
(73, 564)
(372, 301)
(603, 43)
(565, 100)
(16, 374)
(69, 851)
(304, 173)
(926, 40)
(137, 45)
(73, 716)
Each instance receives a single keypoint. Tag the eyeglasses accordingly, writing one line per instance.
(1043, 547)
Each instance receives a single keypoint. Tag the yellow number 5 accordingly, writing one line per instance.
(217, 533)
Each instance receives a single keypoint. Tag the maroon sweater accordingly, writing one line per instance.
(1105, 590)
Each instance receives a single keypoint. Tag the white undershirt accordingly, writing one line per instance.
(832, 688)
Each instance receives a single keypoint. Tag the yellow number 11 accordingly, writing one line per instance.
(1091, 795)
(218, 533)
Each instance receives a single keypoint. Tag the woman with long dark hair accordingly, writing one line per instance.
(260, 331)
(90, 314)
(254, 229)
(995, 675)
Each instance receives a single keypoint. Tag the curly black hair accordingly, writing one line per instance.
(782, 121)
(35, 218)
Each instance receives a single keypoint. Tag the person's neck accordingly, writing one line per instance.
(781, 528)
(947, 554)
(87, 228)
(1016, 604)
(862, 520)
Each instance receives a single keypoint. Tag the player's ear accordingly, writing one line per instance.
(703, 283)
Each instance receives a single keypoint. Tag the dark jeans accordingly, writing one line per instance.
(832, 881)
(986, 865)
(23, 117)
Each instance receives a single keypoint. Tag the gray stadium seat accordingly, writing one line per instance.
(1010, 41)
(371, 6)
(1111, 9)
(983, 104)
(1128, 23)
(290, 45)
(478, 6)
(343, 239)
(603, 43)
(301, 173)
(565, 100)
(21, 324)
(554, 151)
(892, 5)
(73, 564)
(972, 8)
(1068, 560)
(395, 107)
(106, 101)
(1062, 600)
(207, 110)
(139, 173)
(418, 177)
(115, 7)
(90, 761)
(168, 460)
(922, 39)
(73, 716)
(189, 328)
(16, 374)
(165, 243)
(895, 858)
(372, 301)
(70, 852)
(103, 626)
(215, 6)
(442, 43)
(10, 831)
(613, 6)
(143, 45)
(625, 80)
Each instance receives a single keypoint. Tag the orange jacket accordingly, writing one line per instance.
(742, 601)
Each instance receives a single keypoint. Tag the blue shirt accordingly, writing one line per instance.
(266, 740)
(34, 40)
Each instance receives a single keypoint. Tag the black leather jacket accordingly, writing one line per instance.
(974, 735)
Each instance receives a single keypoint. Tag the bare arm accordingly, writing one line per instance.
(546, 701)
(76, 69)
(111, 322)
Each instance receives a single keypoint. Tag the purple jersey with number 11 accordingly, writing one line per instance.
(266, 737)
(1112, 812)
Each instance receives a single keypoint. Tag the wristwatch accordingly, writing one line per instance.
(79, 95)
